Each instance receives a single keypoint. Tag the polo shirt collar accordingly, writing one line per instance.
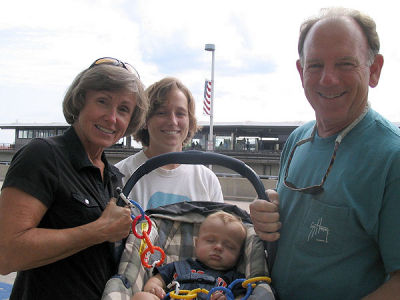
(78, 155)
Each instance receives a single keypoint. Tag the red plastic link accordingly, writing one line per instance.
(144, 260)
(134, 226)
(148, 242)
(150, 247)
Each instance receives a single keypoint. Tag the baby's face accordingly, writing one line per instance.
(218, 245)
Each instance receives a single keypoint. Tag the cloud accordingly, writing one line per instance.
(44, 44)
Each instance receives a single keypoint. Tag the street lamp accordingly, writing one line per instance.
(211, 47)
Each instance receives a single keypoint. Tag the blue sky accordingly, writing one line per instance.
(44, 44)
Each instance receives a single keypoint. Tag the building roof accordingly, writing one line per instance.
(33, 125)
(201, 123)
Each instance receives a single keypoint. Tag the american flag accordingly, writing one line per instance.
(207, 98)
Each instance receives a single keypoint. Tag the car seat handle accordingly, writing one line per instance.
(195, 157)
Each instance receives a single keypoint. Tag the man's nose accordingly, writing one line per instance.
(329, 76)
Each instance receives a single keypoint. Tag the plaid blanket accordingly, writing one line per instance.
(173, 230)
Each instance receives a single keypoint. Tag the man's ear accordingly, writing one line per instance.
(375, 70)
(300, 70)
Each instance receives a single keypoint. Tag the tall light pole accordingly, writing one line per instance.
(211, 47)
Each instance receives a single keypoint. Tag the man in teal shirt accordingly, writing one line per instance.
(339, 180)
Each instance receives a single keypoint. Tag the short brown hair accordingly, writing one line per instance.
(226, 218)
(105, 78)
(157, 94)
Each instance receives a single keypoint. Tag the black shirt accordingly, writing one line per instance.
(58, 172)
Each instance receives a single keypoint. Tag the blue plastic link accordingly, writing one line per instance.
(228, 292)
(130, 201)
(138, 207)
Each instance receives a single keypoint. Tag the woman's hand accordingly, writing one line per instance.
(115, 222)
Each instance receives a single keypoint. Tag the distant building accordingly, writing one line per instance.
(227, 135)
(257, 144)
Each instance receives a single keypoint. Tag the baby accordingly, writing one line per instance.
(217, 250)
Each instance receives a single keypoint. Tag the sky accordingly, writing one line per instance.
(44, 44)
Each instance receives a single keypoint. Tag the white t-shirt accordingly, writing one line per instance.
(161, 186)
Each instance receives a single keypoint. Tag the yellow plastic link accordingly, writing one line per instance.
(193, 293)
(189, 294)
(255, 279)
(201, 291)
(145, 227)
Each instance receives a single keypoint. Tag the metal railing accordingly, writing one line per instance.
(238, 175)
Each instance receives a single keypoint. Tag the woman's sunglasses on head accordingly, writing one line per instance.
(115, 62)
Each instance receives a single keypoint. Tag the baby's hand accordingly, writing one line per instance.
(218, 295)
(158, 291)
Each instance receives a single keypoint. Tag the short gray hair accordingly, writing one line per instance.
(366, 23)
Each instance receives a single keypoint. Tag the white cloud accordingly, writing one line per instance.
(45, 43)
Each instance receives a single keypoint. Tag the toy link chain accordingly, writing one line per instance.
(248, 284)
(144, 257)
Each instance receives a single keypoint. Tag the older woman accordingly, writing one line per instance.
(57, 223)
(170, 123)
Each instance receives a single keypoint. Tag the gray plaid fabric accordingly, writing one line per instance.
(175, 235)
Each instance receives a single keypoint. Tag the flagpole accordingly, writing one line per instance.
(211, 47)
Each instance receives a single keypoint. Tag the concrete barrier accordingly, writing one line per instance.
(3, 171)
(237, 188)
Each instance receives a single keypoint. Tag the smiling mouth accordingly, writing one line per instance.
(171, 132)
(331, 96)
(105, 130)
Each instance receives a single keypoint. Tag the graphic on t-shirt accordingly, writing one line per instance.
(160, 198)
(318, 232)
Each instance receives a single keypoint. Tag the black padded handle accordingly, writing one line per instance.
(194, 157)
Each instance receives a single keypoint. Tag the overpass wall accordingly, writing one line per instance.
(238, 188)
(3, 171)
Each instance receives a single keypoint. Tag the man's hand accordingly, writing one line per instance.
(265, 217)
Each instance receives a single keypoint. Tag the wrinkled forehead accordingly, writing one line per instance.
(336, 33)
